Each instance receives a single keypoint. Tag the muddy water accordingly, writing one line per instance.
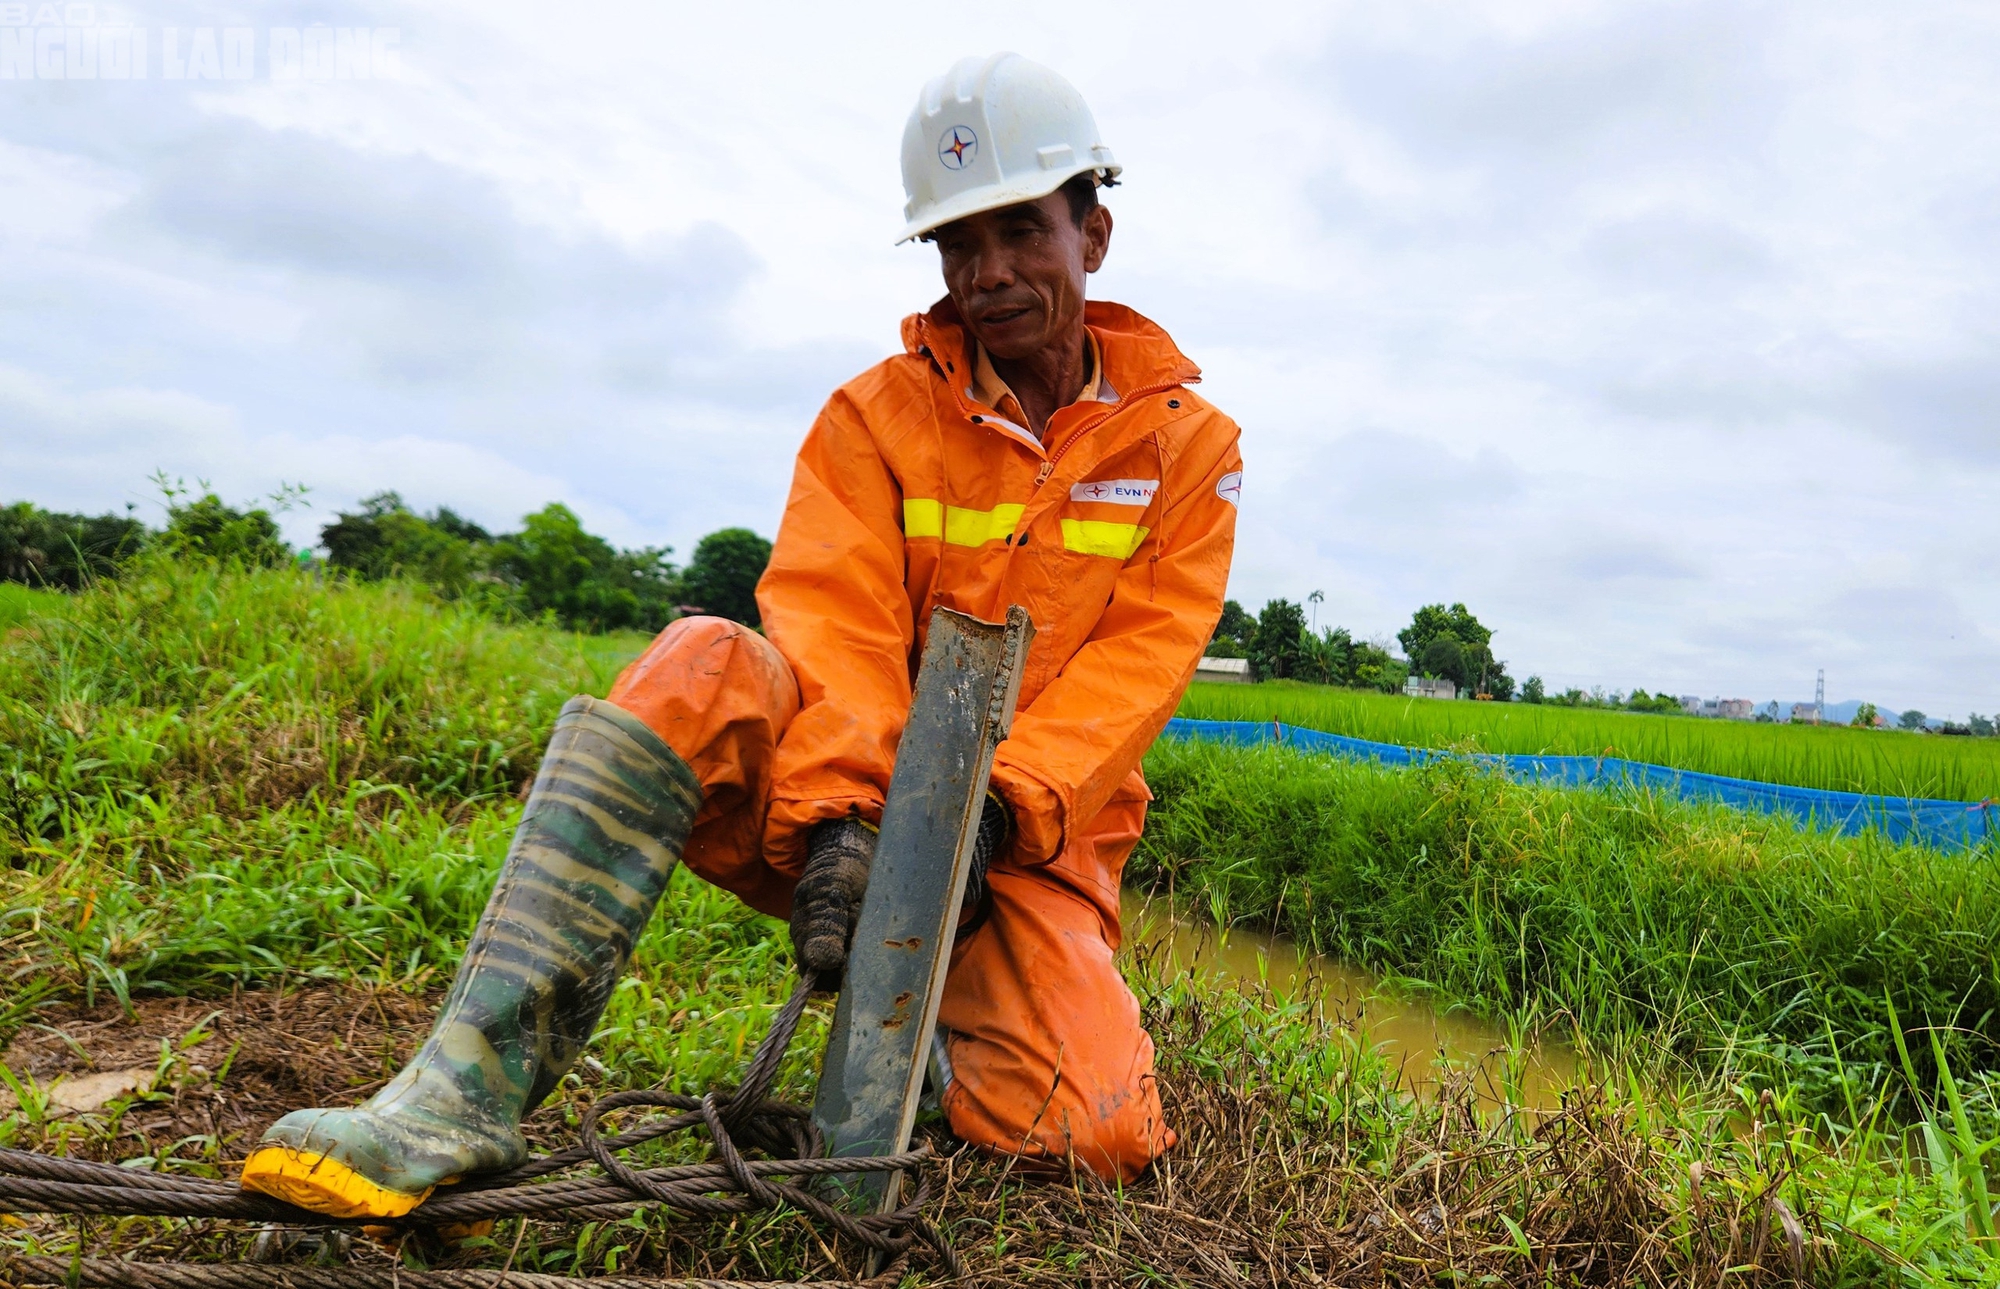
(1429, 1045)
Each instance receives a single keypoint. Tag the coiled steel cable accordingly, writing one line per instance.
(728, 1183)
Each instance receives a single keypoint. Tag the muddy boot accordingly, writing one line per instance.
(603, 828)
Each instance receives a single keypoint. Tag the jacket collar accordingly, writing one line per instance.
(1138, 354)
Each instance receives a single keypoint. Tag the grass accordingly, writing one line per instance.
(1639, 918)
(250, 818)
(1889, 763)
(18, 603)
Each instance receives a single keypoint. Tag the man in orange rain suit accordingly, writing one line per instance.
(1024, 448)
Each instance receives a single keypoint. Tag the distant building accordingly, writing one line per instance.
(1728, 709)
(1805, 714)
(1417, 687)
(1229, 671)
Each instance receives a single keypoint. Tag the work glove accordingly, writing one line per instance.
(996, 825)
(827, 902)
(828, 898)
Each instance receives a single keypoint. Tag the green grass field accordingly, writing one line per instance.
(1891, 763)
(18, 603)
(234, 785)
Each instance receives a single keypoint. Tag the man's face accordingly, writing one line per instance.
(1016, 274)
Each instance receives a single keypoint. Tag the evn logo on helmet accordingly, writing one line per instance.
(958, 146)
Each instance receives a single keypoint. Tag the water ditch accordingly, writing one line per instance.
(1428, 1043)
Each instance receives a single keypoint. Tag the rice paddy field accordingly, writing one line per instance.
(1890, 763)
(248, 819)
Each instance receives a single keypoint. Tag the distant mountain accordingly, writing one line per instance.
(1843, 713)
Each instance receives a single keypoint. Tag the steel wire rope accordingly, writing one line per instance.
(727, 1184)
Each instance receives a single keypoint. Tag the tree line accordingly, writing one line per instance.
(1442, 642)
(1447, 642)
(550, 568)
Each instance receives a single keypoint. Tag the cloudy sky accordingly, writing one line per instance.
(1666, 336)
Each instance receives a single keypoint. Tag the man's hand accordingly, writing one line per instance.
(828, 899)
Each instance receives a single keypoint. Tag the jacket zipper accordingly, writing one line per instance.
(1049, 464)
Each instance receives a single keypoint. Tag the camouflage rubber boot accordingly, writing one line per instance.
(603, 828)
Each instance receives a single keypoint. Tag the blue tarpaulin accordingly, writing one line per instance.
(1947, 825)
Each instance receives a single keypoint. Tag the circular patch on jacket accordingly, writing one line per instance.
(958, 147)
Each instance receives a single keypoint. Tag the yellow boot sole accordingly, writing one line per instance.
(323, 1185)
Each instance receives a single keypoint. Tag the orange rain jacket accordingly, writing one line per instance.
(909, 495)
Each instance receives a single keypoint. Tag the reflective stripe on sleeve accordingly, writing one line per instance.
(1096, 537)
(926, 518)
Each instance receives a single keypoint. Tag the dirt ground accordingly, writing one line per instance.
(230, 1067)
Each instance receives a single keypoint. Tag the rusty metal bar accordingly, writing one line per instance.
(873, 1072)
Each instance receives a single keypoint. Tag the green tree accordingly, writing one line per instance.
(1533, 691)
(551, 566)
(209, 528)
(1662, 704)
(1332, 656)
(1277, 647)
(1434, 620)
(447, 520)
(1231, 638)
(1982, 726)
(1327, 657)
(1865, 716)
(1371, 667)
(650, 574)
(722, 576)
(1446, 658)
(1911, 720)
(64, 551)
(1452, 644)
(385, 539)
(560, 569)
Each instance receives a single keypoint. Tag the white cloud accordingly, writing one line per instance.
(1661, 334)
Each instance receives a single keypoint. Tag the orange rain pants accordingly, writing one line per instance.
(1047, 1053)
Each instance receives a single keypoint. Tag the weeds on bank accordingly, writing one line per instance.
(1685, 934)
(188, 687)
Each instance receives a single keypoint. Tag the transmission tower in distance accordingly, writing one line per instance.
(1819, 699)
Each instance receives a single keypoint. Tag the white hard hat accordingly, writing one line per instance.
(992, 132)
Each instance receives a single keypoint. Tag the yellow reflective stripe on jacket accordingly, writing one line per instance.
(1098, 537)
(978, 527)
(923, 517)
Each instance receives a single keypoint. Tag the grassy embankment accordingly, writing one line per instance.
(1837, 757)
(213, 782)
(1641, 920)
